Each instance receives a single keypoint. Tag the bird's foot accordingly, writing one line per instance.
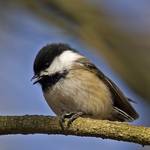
(71, 116)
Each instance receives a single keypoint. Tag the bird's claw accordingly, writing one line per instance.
(71, 116)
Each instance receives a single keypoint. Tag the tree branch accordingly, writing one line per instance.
(80, 127)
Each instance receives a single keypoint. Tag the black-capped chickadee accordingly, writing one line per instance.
(73, 86)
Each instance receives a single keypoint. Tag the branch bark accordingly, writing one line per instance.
(31, 124)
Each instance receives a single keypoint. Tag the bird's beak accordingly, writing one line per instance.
(39, 76)
(36, 78)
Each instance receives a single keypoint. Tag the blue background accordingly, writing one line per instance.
(22, 34)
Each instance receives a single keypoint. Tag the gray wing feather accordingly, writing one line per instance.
(120, 101)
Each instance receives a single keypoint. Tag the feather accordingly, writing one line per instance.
(120, 101)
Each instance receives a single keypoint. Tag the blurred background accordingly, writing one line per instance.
(114, 35)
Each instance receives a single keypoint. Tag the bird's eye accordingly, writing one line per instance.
(46, 64)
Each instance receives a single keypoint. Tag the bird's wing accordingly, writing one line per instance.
(120, 101)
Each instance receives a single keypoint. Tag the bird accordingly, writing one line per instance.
(75, 87)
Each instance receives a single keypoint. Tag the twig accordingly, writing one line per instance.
(31, 124)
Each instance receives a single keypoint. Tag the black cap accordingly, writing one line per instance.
(47, 54)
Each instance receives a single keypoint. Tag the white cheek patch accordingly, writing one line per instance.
(44, 73)
(64, 61)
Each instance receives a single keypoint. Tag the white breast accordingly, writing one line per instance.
(80, 91)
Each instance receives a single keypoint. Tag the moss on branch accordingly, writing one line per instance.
(32, 124)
